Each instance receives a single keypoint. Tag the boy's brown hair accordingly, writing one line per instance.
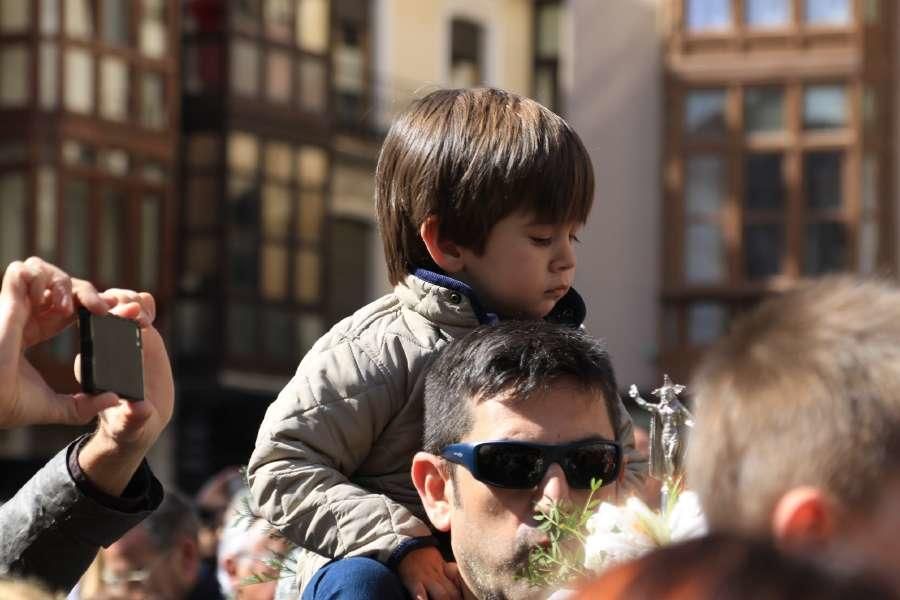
(805, 391)
(471, 157)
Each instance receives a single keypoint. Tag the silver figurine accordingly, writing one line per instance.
(669, 417)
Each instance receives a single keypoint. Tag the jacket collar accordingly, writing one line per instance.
(445, 300)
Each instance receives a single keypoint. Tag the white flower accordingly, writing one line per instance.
(686, 519)
(620, 533)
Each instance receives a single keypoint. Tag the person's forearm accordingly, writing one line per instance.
(109, 466)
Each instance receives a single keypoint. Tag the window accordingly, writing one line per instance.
(153, 113)
(79, 18)
(704, 112)
(45, 219)
(312, 82)
(79, 74)
(824, 107)
(49, 17)
(827, 12)
(275, 208)
(148, 264)
(278, 76)
(278, 18)
(113, 89)
(466, 68)
(14, 71)
(708, 15)
(765, 14)
(245, 15)
(203, 67)
(152, 30)
(763, 109)
(312, 25)
(12, 218)
(15, 16)
(775, 164)
(548, 17)
(116, 22)
(76, 234)
(349, 71)
(112, 227)
(245, 67)
(704, 190)
(48, 73)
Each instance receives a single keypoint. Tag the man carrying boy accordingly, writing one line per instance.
(479, 196)
(517, 417)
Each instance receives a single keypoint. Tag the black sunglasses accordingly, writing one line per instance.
(522, 465)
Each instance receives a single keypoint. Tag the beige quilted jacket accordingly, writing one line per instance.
(331, 465)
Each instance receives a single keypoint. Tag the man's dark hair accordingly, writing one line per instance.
(471, 157)
(514, 360)
(175, 518)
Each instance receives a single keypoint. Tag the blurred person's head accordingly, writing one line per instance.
(246, 548)
(728, 567)
(459, 162)
(212, 500)
(522, 385)
(159, 558)
(19, 589)
(795, 412)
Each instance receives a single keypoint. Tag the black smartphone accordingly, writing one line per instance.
(110, 355)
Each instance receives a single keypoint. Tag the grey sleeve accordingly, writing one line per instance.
(51, 529)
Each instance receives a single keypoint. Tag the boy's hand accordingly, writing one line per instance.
(427, 577)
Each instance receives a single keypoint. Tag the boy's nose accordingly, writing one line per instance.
(554, 488)
(565, 257)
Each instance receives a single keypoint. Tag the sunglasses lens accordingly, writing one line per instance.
(596, 461)
(510, 466)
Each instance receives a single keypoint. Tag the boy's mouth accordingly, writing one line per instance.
(558, 291)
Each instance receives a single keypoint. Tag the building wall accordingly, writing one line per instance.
(613, 96)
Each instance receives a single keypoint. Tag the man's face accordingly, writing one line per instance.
(526, 267)
(493, 529)
(134, 569)
(254, 562)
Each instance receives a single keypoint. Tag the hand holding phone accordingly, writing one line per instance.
(111, 355)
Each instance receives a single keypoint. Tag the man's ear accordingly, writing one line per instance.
(433, 483)
(187, 562)
(445, 253)
(230, 566)
(803, 515)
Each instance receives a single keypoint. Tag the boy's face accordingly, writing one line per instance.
(526, 266)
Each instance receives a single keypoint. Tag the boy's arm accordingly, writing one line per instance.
(320, 429)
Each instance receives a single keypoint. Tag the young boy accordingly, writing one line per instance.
(479, 196)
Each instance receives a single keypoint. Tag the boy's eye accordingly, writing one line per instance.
(541, 241)
(574, 238)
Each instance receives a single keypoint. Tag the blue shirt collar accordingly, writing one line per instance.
(569, 310)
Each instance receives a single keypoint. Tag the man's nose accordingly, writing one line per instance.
(554, 488)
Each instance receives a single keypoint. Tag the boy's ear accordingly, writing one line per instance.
(433, 483)
(445, 253)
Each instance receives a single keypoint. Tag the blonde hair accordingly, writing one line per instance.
(804, 391)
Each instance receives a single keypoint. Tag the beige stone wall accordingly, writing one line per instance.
(613, 98)
(412, 44)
